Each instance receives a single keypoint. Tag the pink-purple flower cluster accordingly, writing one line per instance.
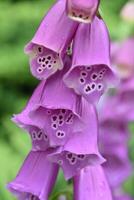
(114, 124)
(72, 60)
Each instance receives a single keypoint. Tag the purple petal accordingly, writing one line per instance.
(124, 59)
(91, 183)
(36, 178)
(114, 147)
(54, 116)
(82, 149)
(123, 197)
(82, 10)
(123, 108)
(91, 74)
(48, 47)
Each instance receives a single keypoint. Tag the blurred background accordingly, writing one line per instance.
(18, 21)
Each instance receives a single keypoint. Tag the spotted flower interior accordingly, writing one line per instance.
(56, 127)
(72, 60)
(79, 15)
(72, 163)
(43, 62)
(90, 81)
(82, 11)
(39, 139)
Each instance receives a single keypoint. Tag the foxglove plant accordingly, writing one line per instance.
(114, 132)
(114, 137)
(60, 117)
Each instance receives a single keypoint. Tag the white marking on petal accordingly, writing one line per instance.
(39, 60)
(33, 134)
(100, 77)
(60, 134)
(69, 119)
(40, 49)
(54, 126)
(43, 66)
(82, 80)
(73, 160)
(39, 70)
(54, 118)
(94, 76)
(69, 156)
(100, 87)
(88, 68)
(88, 89)
(39, 135)
(83, 73)
(60, 162)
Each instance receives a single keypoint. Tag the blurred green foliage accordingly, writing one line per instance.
(18, 22)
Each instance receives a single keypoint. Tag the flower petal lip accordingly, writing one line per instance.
(91, 48)
(82, 10)
(53, 37)
(78, 144)
(91, 183)
(36, 177)
(47, 97)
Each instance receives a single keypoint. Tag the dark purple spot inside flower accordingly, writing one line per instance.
(94, 76)
(46, 62)
(93, 86)
(82, 80)
(80, 16)
(81, 156)
(45, 136)
(39, 59)
(84, 73)
(60, 117)
(43, 59)
(63, 111)
(58, 133)
(49, 57)
(40, 70)
(54, 118)
(73, 160)
(88, 89)
(87, 17)
(73, 13)
(44, 65)
(40, 134)
(60, 122)
(54, 126)
(39, 49)
(69, 155)
(54, 61)
(69, 118)
(49, 66)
